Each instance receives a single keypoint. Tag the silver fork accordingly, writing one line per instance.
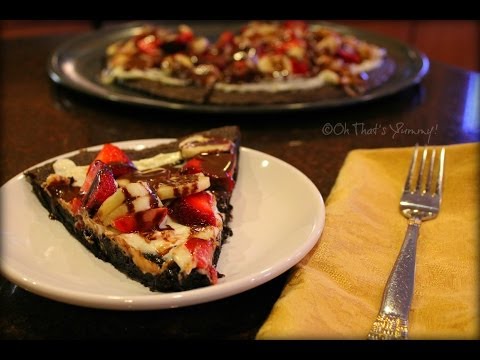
(420, 203)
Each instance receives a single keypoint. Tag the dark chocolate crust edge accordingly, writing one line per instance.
(197, 95)
(106, 249)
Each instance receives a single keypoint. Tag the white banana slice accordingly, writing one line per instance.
(122, 210)
(198, 144)
(137, 189)
(112, 203)
(132, 198)
(182, 185)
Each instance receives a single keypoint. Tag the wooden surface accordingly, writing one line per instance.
(40, 120)
(454, 42)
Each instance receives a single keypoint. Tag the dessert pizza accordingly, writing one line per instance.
(265, 62)
(159, 215)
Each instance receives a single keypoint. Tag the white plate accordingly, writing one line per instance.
(278, 212)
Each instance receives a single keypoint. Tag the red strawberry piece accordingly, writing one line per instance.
(202, 251)
(294, 43)
(143, 221)
(299, 67)
(151, 219)
(125, 224)
(194, 210)
(225, 38)
(349, 56)
(213, 274)
(295, 28)
(219, 167)
(185, 36)
(193, 166)
(116, 158)
(295, 24)
(149, 44)
(103, 186)
(93, 169)
(76, 204)
(218, 61)
(111, 153)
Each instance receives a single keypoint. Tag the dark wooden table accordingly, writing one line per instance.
(41, 120)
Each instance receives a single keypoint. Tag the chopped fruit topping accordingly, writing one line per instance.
(299, 67)
(149, 44)
(349, 56)
(202, 251)
(143, 221)
(218, 167)
(198, 144)
(296, 25)
(185, 34)
(76, 204)
(195, 209)
(291, 47)
(132, 198)
(116, 158)
(111, 153)
(193, 166)
(182, 185)
(92, 172)
(225, 38)
(126, 223)
(103, 186)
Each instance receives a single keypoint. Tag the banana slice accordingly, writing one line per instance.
(132, 198)
(137, 189)
(198, 144)
(112, 203)
(182, 185)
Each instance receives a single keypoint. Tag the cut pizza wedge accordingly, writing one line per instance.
(159, 215)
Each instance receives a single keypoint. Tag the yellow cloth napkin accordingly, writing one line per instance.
(336, 291)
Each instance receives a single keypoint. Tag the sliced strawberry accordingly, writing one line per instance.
(225, 38)
(294, 43)
(295, 28)
(219, 167)
(296, 24)
(185, 35)
(103, 186)
(143, 221)
(349, 56)
(193, 166)
(76, 204)
(201, 250)
(299, 67)
(149, 44)
(95, 166)
(194, 210)
(213, 274)
(112, 154)
(151, 219)
(126, 223)
(116, 158)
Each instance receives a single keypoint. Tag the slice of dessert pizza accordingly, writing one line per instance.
(160, 215)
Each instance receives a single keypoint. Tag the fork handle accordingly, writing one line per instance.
(398, 293)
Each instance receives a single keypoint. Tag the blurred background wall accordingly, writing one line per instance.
(454, 42)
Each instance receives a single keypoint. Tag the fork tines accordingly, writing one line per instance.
(417, 187)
